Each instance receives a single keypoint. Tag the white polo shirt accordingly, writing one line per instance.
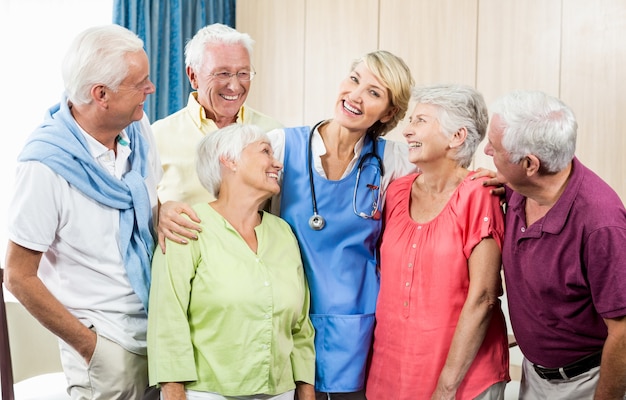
(82, 264)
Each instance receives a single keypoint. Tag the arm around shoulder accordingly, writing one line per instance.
(174, 226)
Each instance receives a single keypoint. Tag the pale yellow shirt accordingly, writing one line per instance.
(177, 137)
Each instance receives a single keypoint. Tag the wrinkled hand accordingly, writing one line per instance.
(173, 224)
(498, 189)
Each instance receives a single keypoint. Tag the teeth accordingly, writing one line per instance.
(415, 144)
(272, 175)
(351, 109)
(230, 97)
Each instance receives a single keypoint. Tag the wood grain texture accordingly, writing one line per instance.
(337, 33)
(573, 49)
(277, 26)
(437, 39)
(593, 83)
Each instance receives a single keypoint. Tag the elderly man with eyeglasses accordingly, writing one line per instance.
(220, 71)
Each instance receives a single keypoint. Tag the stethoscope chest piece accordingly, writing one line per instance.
(317, 222)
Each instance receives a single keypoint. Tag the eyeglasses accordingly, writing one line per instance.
(242, 76)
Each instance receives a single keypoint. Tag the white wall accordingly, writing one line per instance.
(34, 35)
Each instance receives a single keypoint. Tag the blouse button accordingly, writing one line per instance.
(523, 229)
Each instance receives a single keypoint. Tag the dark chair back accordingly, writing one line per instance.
(6, 368)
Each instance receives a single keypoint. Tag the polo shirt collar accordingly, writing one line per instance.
(198, 113)
(555, 219)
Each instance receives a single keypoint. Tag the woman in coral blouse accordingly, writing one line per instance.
(440, 332)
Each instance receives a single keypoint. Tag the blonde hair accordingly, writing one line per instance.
(393, 72)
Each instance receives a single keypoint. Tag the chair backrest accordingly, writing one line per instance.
(35, 349)
(6, 369)
(27, 348)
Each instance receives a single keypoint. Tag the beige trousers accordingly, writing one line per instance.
(113, 373)
(533, 387)
(493, 392)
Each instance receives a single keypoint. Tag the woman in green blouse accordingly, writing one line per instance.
(228, 313)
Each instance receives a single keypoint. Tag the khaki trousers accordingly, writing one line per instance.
(534, 387)
(113, 373)
(493, 392)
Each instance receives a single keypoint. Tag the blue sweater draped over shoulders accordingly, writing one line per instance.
(59, 144)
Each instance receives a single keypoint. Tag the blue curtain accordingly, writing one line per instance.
(165, 27)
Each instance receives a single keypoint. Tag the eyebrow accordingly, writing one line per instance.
(147, 77)
(381, 88)
(228, 68)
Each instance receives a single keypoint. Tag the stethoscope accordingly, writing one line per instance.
(317, 222)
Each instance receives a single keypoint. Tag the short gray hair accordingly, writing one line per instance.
(227, 142)
(460, 106)
(97, 56)
(539, 124)
(214, 33)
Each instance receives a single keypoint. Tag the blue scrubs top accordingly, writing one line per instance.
(340, 261)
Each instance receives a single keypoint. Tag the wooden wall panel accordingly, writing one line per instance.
(277, 26)
(593, 83)
(518, 48)
(573, 49)
(337, 32)
(437, 39)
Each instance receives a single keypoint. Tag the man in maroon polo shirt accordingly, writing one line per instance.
(564, 254)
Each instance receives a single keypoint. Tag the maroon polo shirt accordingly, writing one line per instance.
(567, 271)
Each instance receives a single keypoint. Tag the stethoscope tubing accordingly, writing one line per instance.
(317, 222)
